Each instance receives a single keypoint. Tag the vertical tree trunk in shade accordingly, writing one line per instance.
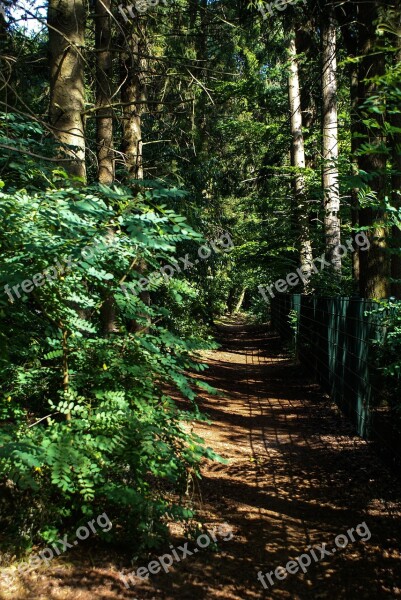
(104, 128)
(354, 165)
(201, 50)
(104, 81)
(5, 65)
(8, 79)
(330, 139)
(396, 181)
(133, 96)
(374, 278)
(347, 15)
(66, 23)
(298, 158)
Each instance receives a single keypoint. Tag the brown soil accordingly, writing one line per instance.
(297, 476)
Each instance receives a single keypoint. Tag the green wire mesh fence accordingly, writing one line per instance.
(336, 340)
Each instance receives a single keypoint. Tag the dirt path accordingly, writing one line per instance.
(297, 477)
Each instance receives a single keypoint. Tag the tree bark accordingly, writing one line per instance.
(5, 65)
(330, 140)
(354, 166)
(104, 129)
(396, 181)
(104, 81)
(240, 300)
(298, 159)
(374, 263)
(66, 23)
(200, 108)
(133, 92)
(347, 15)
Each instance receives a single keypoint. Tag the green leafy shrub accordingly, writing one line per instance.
(88, 423)
(386, 357)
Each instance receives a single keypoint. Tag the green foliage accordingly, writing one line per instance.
(87, 372)
(87, 422)
(387, 353)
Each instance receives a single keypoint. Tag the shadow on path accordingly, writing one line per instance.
(297, 476)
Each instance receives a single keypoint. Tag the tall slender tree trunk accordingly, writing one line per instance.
(201, 49)
(374, 263)
(330, 140)
(5, 65)
(298, 159)
(240, 300)
(133, 95)
(354, 165)
(396, 182)
(104, 129)
(347, 15)
(66, 22)
(104, 82)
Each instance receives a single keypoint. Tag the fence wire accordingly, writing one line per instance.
(334, 338)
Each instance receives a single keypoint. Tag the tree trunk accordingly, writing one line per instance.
(133, 95)
(5, 65)
(354, 166)
(104, 130)
(200, 108)
(240, 300)
(396, 183)
(104, 79)
(298, 159)
(66, 23)
(330, 140)
(374, 263)
(346, 16)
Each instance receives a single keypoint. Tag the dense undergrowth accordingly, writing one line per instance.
(87, 425)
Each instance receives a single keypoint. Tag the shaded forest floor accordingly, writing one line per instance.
(297, 476)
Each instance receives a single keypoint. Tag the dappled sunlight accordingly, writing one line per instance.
(296, 477)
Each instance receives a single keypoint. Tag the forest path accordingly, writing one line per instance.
(297, 476)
